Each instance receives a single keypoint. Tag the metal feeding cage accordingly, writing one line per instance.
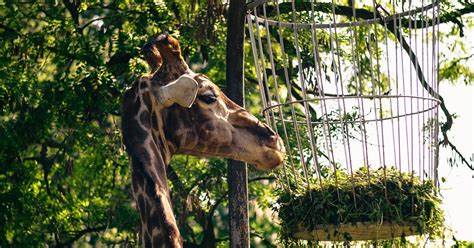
(352, 88)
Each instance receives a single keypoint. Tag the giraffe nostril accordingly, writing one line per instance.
(268, 132)
(263, 131)
(272, 133)
(274, 142)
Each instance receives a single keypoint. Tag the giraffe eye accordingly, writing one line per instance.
(208, 98)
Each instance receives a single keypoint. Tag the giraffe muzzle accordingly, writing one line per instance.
(273, 154)
(276, 143)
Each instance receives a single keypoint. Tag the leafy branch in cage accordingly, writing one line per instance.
(389, 197)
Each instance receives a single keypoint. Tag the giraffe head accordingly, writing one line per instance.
(199, 119)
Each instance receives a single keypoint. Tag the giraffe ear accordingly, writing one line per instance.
(182, 91)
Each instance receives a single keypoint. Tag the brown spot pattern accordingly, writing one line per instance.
(141, 206)
(154, 121)
(147, 241)
(145, 119)
(146, 99)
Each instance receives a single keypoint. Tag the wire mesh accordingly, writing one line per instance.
(349, 86)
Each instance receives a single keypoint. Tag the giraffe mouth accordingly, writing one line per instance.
(273, 154)
(272, 159)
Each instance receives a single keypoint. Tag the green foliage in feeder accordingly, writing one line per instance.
(375, 196)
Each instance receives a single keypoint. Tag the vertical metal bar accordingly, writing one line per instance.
(305, 104)
(277, 94)
(285, 60)
(237, 171)
(435, 86)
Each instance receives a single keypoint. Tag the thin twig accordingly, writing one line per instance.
(79, 234)
(455, 149)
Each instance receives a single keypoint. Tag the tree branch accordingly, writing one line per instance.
(255, 179)
(365, 14)
(455, 62)
(79, 234)
(455, 149)
(81, 28)
(72, 8)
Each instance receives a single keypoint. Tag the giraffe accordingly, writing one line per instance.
(176, 111)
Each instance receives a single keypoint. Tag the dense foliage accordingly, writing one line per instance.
(64, 174)
(382, 196)
(64, 67)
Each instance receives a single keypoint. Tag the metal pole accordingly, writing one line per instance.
(237, 171)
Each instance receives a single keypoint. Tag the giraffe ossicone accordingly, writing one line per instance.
(182, 91)
(176, 111)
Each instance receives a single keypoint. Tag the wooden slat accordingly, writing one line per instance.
(359, 231)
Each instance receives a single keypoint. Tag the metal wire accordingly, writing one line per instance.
(343, 24)
(350, 93)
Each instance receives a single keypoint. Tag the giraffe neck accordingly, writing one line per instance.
(158, 224)
(149, 155)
